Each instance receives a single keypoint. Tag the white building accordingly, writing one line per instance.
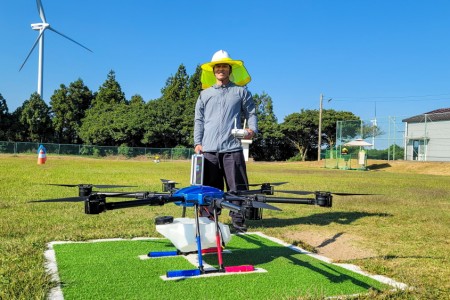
(427, 136)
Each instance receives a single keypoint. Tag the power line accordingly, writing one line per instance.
(398, 99)
(392, 97)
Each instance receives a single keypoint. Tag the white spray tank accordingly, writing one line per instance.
(181, 232)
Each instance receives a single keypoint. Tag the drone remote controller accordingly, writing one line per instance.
(239, 133)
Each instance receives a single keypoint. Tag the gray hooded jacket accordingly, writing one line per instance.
(216, 109)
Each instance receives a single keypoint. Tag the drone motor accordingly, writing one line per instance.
(95, 204)
(163, 220)
(267, 189)
(252, 213)
(324, 199)
(168, 186)
(84, 190)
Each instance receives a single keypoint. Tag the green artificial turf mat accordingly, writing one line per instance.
(113, 270)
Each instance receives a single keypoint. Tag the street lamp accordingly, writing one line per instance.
(319, 143)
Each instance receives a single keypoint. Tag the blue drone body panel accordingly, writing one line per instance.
(198, 194)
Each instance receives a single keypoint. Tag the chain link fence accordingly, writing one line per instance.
(97, 151)
(423, 137)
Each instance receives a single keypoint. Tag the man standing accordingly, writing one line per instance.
(219, 108)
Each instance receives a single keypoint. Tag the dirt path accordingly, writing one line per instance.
(336, 246)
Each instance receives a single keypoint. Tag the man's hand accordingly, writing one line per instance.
(198, 149)
(249, 134)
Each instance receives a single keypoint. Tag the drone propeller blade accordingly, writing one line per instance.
(309, 192)
(168, 181)
(67, 185)
(254, 203)
(69, 199)
(32, 48)
(41, 10)
(99, 186)
(258, 204)
(232, 197)
(353, 194)
(295, 192)
(63, 35)
(278, 183)
(269, 183)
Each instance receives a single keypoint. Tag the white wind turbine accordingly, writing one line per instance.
(41, 27)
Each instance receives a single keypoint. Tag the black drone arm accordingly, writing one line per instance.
(310, 201)
(96, 203)
(144, 202)
(134, 195)
(323, 199)
(221, 203)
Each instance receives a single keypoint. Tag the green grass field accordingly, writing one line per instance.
(406, 229)
(113, 270)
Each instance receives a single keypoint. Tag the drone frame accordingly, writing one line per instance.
(252, 203)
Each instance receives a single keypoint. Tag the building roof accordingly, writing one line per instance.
(442, 114)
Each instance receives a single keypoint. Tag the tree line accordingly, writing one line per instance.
(77, 115)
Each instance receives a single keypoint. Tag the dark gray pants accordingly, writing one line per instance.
(226, 168)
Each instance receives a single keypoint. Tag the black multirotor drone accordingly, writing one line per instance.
(252, 201)
(249, 202)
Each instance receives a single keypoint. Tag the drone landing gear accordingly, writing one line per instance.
(201, 270)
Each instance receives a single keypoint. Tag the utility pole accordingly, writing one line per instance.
(319, 143)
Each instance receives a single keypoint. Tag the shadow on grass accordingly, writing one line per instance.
(264, 253)
(322, 219)
(392, 257)
(330, 240)
(378, 166)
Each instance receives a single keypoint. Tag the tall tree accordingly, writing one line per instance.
(35, 117)
(110, 92)
(301, 130)
(269, 144)
(4, 118)
(330, 118)
(137, 100)
(135, 118)
(68, 107)
(95, 127)
(165, 115)
(113, 125)
(371, 130)
(102, 119)
(193, 91)
(3, 107)
(158, 131)
(16, 131)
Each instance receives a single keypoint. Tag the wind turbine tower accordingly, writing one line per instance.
(374, 126)
(42, 27)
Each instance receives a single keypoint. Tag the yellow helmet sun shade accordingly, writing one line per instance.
(239, 74)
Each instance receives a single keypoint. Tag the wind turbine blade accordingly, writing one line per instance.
(54, 30)
(32, 48)
(41, 10)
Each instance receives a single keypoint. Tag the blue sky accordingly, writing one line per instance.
(384, 55)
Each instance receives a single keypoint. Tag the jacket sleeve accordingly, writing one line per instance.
(249, 109)
(199, 121)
